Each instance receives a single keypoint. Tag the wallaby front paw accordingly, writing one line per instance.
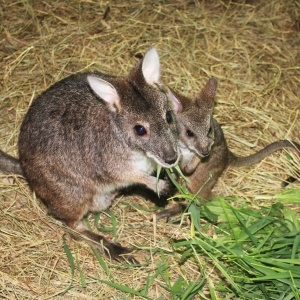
(166, 188)
(188, 170)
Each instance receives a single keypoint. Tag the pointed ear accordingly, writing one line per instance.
(208, 94)
(176, 104)
(151, 66)
(105, 91)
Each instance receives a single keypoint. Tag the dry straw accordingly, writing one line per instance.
(252, 47)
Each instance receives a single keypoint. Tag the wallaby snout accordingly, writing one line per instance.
(167, 160)
(204, 152)
(203, 147)
(167, 152)
(171, 160)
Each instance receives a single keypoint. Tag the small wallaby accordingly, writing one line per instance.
(88, 136)
(204, 151)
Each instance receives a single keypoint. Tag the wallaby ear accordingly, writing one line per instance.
(176, 103)
(151, 66)
(105, 91)
(208, 94)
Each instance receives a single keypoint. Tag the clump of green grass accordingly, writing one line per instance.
(256, 252)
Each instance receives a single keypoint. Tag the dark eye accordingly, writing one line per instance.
(210, 130)
(189, 133)
(169, 117)
(140, 130)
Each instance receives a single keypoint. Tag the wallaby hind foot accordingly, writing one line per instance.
(101, 244)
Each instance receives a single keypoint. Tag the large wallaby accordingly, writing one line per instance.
(204, 151)
(90, 135)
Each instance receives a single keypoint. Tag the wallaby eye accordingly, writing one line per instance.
(189, 133)
(169, 117)
(140, 130)
(210, 130)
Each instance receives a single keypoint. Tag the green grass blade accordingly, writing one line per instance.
(177, 168)
(97, 217)
(192, 291)
(212, 255)
(102, 263)
(204, 184)
(213, 295)
(124, 288)
(113, 222)
(288, 196)
(294, 261)
(295, 288)
(82, 277)
(194, 211)
(291, 216)
(237, 215)
(177, 185)
(158, 170)
(71, 263)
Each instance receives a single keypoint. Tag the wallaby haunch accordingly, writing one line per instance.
(90, 135)
(203, 146)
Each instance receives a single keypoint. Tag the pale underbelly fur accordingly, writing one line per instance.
(104, 196)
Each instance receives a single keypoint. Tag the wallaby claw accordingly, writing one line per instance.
(119, 253)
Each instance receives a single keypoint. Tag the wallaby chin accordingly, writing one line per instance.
(166, 163)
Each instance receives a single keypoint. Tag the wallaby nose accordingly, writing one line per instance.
(171, 161)
(205, 153)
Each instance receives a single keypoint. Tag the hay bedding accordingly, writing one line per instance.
(252, 47)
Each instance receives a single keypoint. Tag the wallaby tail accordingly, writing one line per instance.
(9, 164)
(250, 160)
